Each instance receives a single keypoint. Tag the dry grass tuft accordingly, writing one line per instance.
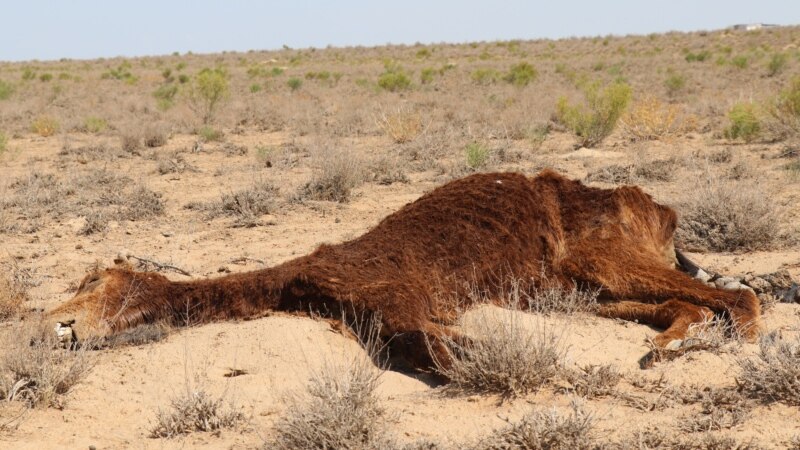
(13, 296)
(656, 439)
(97, 195)
(650, 119)
(195, 410)
(723, 215)
(546, 430)
(35, 371)
(246, 205)
(337, 172)
(505, 354)
(774, 375)
(340, 408)
(593, 381)
(403, 125)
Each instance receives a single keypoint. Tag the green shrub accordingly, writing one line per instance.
(45, 77)
(95, 124)
(255, 87)
(28, 74)
(485, 77)
(209, 134)
(521, 74)
(477, 155)
(207, 91)
(183, 78)
(789, 100)
(744, 122)
(674, 83)
(594, 120)
(423, 53)
(165, 95)
(6, 89)
(426, 75)
(698, 57)
(394, 78)
(776, 64)
(294, 83)
(739, 61)
(121, 72)
(276, 71)
(394, 81)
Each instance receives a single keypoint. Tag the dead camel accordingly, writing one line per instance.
(483, 229)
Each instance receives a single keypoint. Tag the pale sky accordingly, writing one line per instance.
(53, 29)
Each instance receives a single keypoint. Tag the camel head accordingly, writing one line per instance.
(106, 301)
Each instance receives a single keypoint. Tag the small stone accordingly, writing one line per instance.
(167, 233)
(722, 281)
(779, 280)
(673, 345)
(337, 220)
(78, 246)
(732, 286)
(760, 285)
(702, 275)
(711, 284)
(224, 269)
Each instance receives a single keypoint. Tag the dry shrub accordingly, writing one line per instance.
(34, 370)
(195, 410)
(385, 170)
(337, 172)
(656, 439)
(506, 353)
(640, 170)
(173, 162)
(130, 141)
(720, 409)
(724, 215)
(45, 126)
(593, 381)
(546, 430)
(98, 195)
(774, 374)
(154, 136)
(650, 119)
(245, 205)
(13, 295)
(403, 125)
(339, 408)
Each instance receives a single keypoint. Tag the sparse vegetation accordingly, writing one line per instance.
(339, 408)
(337, 172)
(773, 375)
(744, 122)
(541, 429)
(294, 83)
(95, 125)
(596, 119)
(34, 370)
(6, 89)
(777, 64)
(394, 78)
(675, 83)
(504, 354)
(728, 216)
(45, 126)
(651, 119)
(208, 90)
(246, 205)
(3, 143)
(477, 155)
(521, 74)
(195, 410)
(401, 126)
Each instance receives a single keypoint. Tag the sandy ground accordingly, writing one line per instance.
(116, 404)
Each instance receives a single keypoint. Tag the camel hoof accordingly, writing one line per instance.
(64, 334)
(674, 345)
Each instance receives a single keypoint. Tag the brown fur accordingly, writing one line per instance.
(483, 228)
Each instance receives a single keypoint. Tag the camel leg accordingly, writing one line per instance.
(655, 283)
(674, 316)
